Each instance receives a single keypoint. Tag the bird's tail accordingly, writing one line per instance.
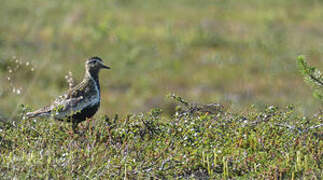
(29, 115)
(38, 113)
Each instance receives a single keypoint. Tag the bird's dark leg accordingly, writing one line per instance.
(75, 128)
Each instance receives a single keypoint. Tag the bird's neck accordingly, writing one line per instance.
(92, 76)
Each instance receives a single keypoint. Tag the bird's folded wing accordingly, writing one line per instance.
(66, 107)
(75, 91)
(60, 109)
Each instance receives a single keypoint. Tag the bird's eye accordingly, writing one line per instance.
(92, 62)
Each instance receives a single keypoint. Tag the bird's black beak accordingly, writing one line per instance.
(105, 67)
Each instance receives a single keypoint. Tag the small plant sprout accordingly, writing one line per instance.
(312, 76)
(70, 80)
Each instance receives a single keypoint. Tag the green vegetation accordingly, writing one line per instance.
(200, 141)
(232, 52)
(312, 76)
(235, 53)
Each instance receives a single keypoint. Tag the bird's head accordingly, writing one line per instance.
(94, 64)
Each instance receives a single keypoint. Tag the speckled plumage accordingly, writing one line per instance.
(80, 102)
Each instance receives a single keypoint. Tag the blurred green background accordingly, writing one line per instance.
(233, 52)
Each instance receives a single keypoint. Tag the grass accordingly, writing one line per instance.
(236, 53)
(199, 142)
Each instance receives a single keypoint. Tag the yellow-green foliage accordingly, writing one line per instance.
(312, 76)
(272, 144)
(235, 52)
(228, 51)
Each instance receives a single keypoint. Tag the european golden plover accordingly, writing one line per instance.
(80, 102)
